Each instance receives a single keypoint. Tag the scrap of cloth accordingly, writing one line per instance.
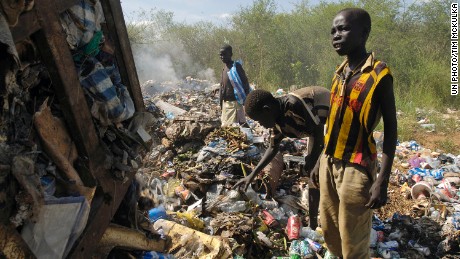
(111, 102)
(235, 80)
(98, 73)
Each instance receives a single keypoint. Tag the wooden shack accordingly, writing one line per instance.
(42, 26)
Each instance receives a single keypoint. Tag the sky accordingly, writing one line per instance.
(192, 11)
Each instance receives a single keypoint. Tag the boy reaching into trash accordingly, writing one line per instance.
(301, 113)
(361, 94)
(234, 86)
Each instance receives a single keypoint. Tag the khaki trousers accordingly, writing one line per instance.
(345, 221)
(232, 112)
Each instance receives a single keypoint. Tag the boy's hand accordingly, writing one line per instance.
(243, 183)
(314, 176)
(378, 194)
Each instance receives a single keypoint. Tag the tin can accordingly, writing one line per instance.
(169, 172)
(268, 219)
(182, 192)
(293, 227)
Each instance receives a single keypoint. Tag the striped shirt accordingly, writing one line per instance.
(355, 114)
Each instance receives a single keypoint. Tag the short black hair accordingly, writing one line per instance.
(360, 15)
(256, 100)
(226, 47)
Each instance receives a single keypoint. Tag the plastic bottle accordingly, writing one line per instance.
(309, 233)
(170, 115)
(390, 245)
(269, 204)
(253, 196)
(317, 247)
(236, 206)
(422, 249)
(300, 249)
(157, 213)
(263, 238)
(435, 215)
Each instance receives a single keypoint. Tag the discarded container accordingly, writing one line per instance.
(182, 192)
(248, 133)
(49, 184)
(422, 249)
(456, 220)
(428, 126)
(237, 206)
(169, 173)
(300, 249)
(264, 239)
(317, 247)
(293, 227)
(307, 232)
(215, 247)
(389, 245)
(157, 213)
(157, 255)
(420, 190)
(268, 219)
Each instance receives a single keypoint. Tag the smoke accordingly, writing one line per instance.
(167, 61)
(207, 74)
(152, 65)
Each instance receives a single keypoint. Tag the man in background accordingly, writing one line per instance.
(234, 87)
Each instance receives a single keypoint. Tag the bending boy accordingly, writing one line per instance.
(299, 114)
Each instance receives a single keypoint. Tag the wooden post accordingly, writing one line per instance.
(55, 52)
(118, 33)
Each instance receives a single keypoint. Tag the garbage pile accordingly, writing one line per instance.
(422, 217)
(190, 173)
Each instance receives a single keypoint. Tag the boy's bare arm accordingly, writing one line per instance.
(270, 153)
(318, 145)
(387, 101)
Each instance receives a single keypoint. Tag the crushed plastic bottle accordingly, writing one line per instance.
(237, 206)
(434, 214)
(422, 249)
(307, 232)
(317, 247)
(170, 115)
(301, 248)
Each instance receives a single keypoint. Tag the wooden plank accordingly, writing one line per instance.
(118, 33)
(53, 47)
(29, 24)
(103, 208)
(110, 192)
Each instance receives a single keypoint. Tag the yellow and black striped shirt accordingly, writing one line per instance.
(354, 113)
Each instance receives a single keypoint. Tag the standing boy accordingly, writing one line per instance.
(361, 94)
(234, 87)
(299, 114)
